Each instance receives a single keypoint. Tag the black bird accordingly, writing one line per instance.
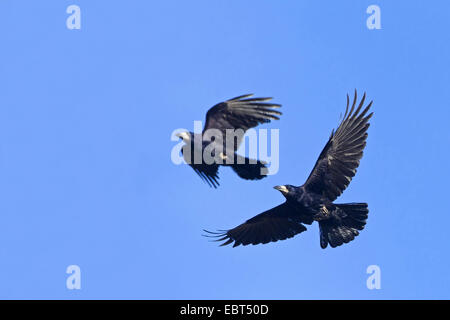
(313, 201)
(237, 115)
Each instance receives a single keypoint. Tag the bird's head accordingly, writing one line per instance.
(184, 135)
(286, 189)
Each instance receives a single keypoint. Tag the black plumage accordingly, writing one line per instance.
(313, 201)
(236, 115)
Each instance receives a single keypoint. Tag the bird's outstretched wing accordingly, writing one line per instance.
(278, 223)
(208, 173)
(241, 112)
(339, 160)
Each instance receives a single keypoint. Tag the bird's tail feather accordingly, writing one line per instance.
(343, 227)
(249, 169)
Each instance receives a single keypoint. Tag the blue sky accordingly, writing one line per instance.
(85, 123)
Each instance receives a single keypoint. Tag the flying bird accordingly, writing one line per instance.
(235, 116)
(314, 200)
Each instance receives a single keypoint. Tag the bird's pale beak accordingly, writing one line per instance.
(282, 189)
(182, 135)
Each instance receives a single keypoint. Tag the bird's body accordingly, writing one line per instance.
(225, 127)
(309, 205)
(305, 202)
(314, 200)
